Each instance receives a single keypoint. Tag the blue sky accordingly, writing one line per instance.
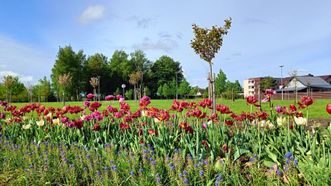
(264, 34)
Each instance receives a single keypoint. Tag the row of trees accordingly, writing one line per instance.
(12, 89)
(74, 75)
(225, 88)
(97, 72)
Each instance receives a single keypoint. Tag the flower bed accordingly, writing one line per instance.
(185, 144)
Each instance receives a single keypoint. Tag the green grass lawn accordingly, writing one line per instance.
(317, 110)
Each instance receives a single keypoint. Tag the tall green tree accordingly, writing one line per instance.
(237, 86)
(96, 66)
(207, 43)
(184, 88)
(13, 87)
(8, 82)
(220, 83)
(68, 62)
(44, 88)
(268, 82)
(164, 72)
(160, 91)
(166, 91)
(141, 65)
(120, 69)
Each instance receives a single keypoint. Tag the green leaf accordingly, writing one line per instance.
(272, 156)
(268, 163)
(239, 152)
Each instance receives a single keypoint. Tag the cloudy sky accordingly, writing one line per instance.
(264, 34)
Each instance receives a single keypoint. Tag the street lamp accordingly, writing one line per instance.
(281, 80)
(123, 87)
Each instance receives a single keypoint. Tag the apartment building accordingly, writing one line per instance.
(316, 86)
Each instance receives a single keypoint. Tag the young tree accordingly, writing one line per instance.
(294, 75)
(194, 91)
(13, 86)
(96, 66)
(220, 83)
(45, 88)
(128, 94)
(237, 86)
(140, 64)
(8, 82)
(184, 88)
(206, 44)
(94, 82)
(68, 62)
(160, 91)
(120, 69)
(64, 81)
(117, 91)
(135, 77)
(268, 82)
(166, 91)
(147, 91)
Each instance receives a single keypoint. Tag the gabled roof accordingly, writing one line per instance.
(307, 81)
(313, 81)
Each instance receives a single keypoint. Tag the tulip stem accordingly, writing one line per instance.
(307, 115)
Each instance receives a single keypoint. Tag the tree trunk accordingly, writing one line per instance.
(95, 93)
(134, 92)
(211, 89)
(7, 98)
(64, 100)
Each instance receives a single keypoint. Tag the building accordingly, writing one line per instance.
(316, 86)
(309, 85)
(251, 86)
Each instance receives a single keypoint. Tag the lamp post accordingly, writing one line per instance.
(123, 87)
(281, 80)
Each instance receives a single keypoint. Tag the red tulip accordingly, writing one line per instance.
(328, 108)
(204, 143)
(189, 129)
(109, 97)
(151, 131)
(124, 126)
(90, 96)
(144, 101)
(223, 109)
(225, 148)
(305, 101)
(94, 106)
(251, 100)
(96, 127)
(2, 115)
(163, 115)
(229, 122)
(293, 108)
(78, 123)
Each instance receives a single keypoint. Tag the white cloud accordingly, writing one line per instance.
(165, 45)
(22, 78)
(92, 13)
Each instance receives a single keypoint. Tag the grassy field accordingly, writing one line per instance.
(317, 110)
